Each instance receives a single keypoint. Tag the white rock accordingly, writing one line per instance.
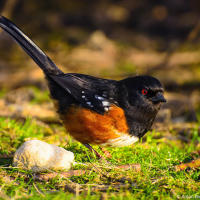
(40, 156)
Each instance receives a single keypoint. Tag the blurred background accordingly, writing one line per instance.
(107, 38)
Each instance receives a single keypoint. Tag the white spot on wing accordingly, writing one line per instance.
(99, 97)
(89, 103)
(68, 90)
(105, 103)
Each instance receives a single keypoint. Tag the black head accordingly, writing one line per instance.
(141, 98)
(144, 91)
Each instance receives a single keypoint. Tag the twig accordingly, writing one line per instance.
(194, 164)
(47, 176)
(38, 190)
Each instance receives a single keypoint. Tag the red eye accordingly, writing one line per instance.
(144, 91)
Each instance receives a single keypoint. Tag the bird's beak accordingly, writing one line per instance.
(158, 98)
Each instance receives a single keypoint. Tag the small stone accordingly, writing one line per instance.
(40, 156)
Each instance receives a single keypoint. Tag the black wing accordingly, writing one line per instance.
(94, 93)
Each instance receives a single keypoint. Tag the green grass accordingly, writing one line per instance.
(156, 180)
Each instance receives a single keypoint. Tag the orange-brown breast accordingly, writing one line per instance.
(88, 126)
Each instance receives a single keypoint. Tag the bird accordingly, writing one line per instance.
(96, 111)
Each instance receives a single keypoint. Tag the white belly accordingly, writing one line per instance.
(123, 140)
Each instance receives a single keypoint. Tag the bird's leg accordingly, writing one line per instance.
(106, 152)
(92, 150)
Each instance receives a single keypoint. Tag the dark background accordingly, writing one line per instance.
(167, 20)
(112, 39)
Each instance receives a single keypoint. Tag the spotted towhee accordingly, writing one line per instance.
(96, 110)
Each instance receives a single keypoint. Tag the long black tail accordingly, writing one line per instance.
(43, 61)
